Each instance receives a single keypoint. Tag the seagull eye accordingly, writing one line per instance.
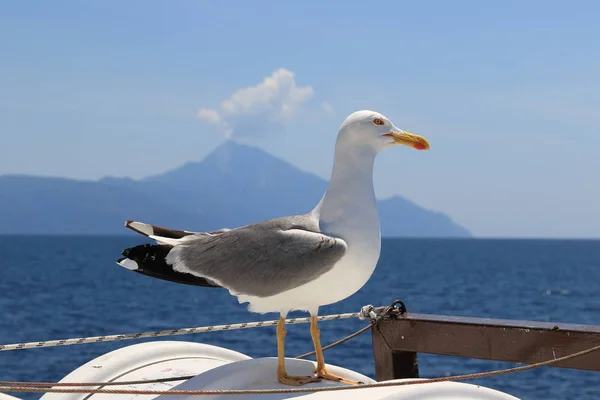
(378, 121)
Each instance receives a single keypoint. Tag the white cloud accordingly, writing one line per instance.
(257, 110)
(210, 116)
(327, 107)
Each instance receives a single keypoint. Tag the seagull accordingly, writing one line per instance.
(298, 262)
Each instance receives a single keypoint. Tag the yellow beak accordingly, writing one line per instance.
(410, 139)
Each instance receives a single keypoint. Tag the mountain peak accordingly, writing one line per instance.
(232, 145)
(228, 159)
(230, 152)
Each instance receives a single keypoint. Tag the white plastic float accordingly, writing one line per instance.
(4, 396)
(219, 368)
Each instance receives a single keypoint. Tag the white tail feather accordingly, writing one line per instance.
(129, 264)
(171, 241)
(142, 228)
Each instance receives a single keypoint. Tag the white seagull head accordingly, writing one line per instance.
(373, 130)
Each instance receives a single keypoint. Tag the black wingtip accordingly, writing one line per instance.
(150, 260)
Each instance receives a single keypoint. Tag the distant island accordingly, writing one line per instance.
(233, 186)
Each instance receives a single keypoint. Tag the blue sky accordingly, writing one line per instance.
(507, 93)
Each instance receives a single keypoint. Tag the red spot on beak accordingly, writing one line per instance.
(419, 146)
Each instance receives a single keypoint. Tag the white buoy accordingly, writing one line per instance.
(219, 368)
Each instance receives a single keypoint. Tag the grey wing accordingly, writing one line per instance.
(262, 259)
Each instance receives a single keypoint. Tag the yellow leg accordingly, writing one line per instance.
(282, 376)
(321, 370)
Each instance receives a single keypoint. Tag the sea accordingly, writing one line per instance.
(55, 287)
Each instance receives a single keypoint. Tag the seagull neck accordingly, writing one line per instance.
(349, 201)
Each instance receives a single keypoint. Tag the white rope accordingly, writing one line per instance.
(10, 387)
(365, 313)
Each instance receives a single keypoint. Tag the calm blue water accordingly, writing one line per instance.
(60, 287)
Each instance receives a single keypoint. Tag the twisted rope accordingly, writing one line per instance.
(173, 379)
(172, 332)
(370, 312)
(23, 389)
(367, 312)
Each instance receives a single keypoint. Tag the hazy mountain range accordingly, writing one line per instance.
(234, 185)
